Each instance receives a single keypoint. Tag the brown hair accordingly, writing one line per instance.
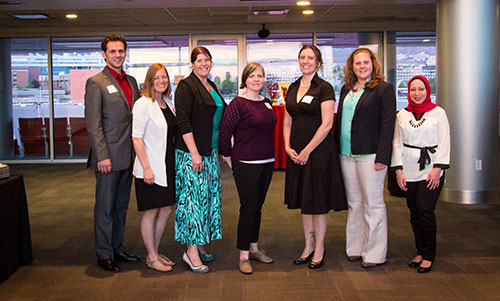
(316, 52)
(249, 69)
(148, 89)
(351, 78)
(200, 50)
(113, 38)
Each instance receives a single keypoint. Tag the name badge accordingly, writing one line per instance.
(307, 99)
(111, 89)
(268, 106)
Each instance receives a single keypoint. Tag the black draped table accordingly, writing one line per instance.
(15, 237)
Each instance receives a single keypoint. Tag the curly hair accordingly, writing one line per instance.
(351, 78)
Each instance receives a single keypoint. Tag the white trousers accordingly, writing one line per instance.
(366, 230)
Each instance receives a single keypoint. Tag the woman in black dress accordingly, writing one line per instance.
(153, 131)
(313, 178)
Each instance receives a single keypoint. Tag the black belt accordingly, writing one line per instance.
(424, 159)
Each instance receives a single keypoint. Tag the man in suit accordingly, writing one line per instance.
(108, 101)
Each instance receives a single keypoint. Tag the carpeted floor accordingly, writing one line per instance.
(61, 197)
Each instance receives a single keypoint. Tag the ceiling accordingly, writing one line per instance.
(215, 16)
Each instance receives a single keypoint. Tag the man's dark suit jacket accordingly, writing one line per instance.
(372, 127)
(109, 120)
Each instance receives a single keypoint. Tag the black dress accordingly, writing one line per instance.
(316, 187)
(156, 196)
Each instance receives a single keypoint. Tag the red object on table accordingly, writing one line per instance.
(279, 142)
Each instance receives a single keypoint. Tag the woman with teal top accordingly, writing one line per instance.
(364, 131)
(199, 107)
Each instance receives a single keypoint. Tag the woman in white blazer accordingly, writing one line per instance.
(153, 131)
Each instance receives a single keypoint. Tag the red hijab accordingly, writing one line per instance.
(425, 106)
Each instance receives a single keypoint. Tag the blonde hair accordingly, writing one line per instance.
(148, 89)
(351, 78)
(249, 69)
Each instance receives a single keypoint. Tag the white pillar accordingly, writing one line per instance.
(467, 69)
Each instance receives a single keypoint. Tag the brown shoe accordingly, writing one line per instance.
(261, 256)
(368, 265)
(245, 266)
(353, 258)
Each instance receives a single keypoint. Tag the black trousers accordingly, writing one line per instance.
(422, 202)
(252, 182)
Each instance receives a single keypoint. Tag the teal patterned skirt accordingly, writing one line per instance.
(198, 195)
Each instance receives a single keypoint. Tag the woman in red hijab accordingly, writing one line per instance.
(421, 152)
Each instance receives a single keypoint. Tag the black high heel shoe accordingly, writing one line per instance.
(317, 264)
(300, 260)
(425, 270)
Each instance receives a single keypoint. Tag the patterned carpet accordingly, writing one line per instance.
(60, 200)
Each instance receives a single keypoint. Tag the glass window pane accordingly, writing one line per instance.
(225, 65)
(30, 99)
(76, 59)
(279, 55)
(415, 55)
(335, 49)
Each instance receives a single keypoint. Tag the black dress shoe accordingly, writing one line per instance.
(126, 257)
(301, 260)
(425, 270)
(108, 265)
(414, 264)
(317, 264)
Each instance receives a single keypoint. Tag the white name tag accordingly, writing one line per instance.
(307, 99)
(111, 89)
(268, 106)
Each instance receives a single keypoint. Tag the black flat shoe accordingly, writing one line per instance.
(425, 270)
(317, 264)
(126, 257)
(301, 260)
(414, 264)
(108, 265)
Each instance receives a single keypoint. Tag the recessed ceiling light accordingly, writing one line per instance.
(308, 12)
(426, 40)
(303, 3)
(71, 16)
(31, 16)
(269, 12)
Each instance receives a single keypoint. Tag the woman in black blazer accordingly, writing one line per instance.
(199, 107)
(364, 131)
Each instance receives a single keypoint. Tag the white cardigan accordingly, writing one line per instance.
(148, 123)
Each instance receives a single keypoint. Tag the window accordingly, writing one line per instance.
(335, 49)
(415, 55)
(279, 55)
(30, 99)
(77, 59)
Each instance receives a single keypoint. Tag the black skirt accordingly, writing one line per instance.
(153, 196)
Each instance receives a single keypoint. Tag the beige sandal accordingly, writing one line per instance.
(150, 264)
(166, 260)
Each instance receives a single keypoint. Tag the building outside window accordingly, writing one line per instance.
(415, 55)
